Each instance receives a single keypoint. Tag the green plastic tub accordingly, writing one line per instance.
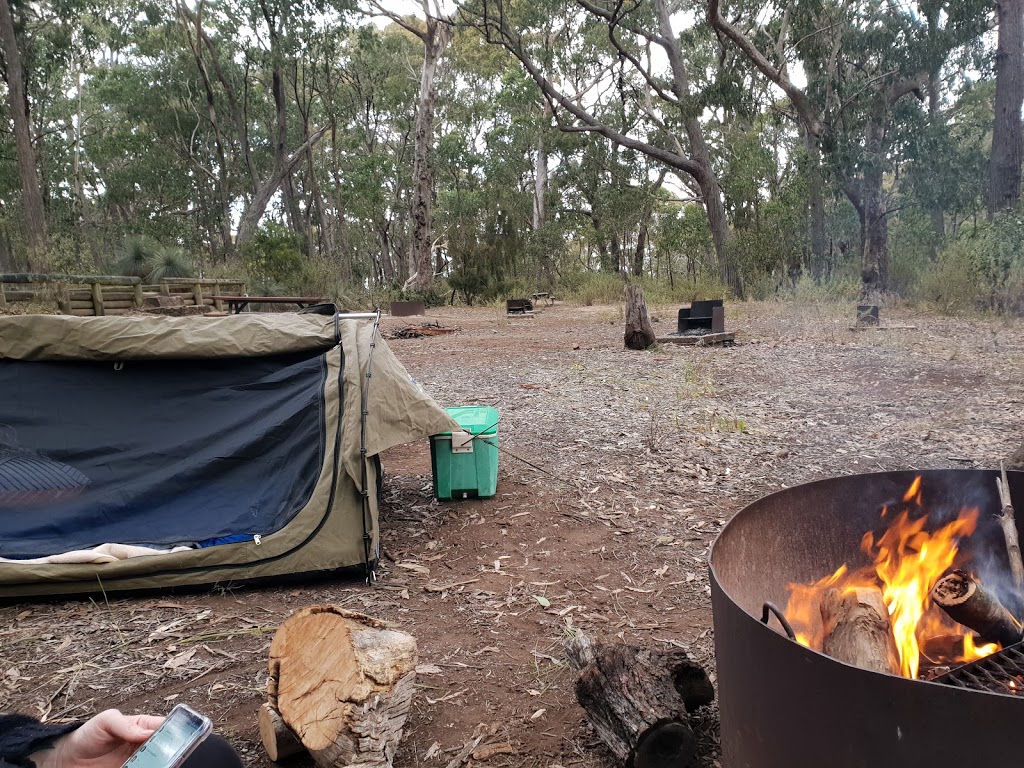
(465, 464)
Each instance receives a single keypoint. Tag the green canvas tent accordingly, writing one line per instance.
(151, 452)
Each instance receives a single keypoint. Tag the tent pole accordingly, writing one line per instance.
(371, 574)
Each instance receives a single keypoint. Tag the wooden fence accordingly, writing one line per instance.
(99, 295)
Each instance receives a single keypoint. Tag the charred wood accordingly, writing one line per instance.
(637, 700)
(967, 602)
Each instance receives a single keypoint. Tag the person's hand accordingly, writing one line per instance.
(106, 741)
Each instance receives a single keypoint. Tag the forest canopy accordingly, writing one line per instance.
(489, 147)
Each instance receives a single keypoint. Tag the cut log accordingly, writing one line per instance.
(637, 699)
(1008, 523)
(857, 630)
(967, 602)
(639, 332)
(342, 682)
(278, 739)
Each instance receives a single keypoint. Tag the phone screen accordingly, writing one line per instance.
(180, 733)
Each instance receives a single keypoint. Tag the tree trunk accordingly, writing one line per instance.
(816, 205)
(875, 265)
(936, 212)
(540, 182)
(250, 220)
(421, 262)
(639, 332)
(341, 683)
(706, 179)
(1007, 141)
(33, 210)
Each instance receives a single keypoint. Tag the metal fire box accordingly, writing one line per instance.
(465, 463)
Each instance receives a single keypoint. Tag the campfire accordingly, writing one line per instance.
(920, 608)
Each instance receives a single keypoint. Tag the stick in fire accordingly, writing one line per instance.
(967, 602)
(1009, 526)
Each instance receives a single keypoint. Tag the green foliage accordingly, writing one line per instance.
(169, 261)
(136, 256)
(274, 261)
(982, 269)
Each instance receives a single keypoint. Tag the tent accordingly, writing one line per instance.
(152, 452)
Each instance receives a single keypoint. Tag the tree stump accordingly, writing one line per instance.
(637, 699)
(639, 332)
(341, 682)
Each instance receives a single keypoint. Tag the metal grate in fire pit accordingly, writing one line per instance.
(1002, 672)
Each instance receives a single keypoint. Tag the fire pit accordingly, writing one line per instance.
(783, 704)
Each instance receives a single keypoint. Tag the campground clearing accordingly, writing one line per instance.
(617, 470)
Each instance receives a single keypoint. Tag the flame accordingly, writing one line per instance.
(907, 561)
(974, 652)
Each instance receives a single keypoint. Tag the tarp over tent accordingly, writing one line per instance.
(240, 438)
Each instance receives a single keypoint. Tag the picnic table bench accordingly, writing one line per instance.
(237, 304)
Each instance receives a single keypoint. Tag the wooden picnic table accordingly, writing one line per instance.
(237, 304)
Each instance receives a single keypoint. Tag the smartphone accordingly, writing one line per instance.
(180, 733)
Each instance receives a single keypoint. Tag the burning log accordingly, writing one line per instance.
(857, 630)
(1009, 526)
(637, 700)
(340, 684)
(967, 602)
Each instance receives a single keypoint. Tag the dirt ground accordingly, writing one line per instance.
(617, 471)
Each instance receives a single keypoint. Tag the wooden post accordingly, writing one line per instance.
(3, 296)
(217, 302)
(165, 288)
(138, 294)
(97, 300)
(197, 293)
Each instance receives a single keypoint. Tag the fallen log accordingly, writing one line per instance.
(857, 630)
(637, 700)
(967, 602)
(342, 683)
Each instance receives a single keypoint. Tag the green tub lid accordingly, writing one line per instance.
(475, 419)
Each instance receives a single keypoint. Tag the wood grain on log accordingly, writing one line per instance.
(967, 602)
(637, 699)
(278, 739)
(857, 630)
(342, 682)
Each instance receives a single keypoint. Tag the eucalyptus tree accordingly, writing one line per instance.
(586, 57)
(861, 58)
(435, 31)
(33, 212)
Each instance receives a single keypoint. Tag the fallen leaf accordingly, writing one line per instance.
(428, 669)
(544, 602)
(180, 659)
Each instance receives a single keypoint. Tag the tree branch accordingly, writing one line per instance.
(807, 114)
